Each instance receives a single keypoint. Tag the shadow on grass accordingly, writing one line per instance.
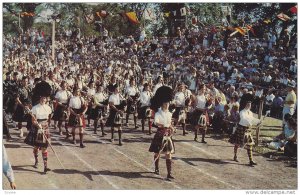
(89, 174)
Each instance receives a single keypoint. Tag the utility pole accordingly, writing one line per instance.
(53, 40)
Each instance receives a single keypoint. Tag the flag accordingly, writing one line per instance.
(188, 10)
(249, 27)
(183, 11)
(294, 9)
(283, 17)
(167, 14)
(132, 17)
(240, 30)
(148, 14)
(89, 18)
(267, 21)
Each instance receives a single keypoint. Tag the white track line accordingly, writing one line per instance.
(87, 164)
(198, 169)
(130, 158)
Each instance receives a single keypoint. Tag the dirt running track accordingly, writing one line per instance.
(103, 165)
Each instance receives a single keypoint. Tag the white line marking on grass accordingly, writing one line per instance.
(140, 164)
(88, 165)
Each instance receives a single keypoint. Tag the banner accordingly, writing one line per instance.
(240, 30)
(132, 17)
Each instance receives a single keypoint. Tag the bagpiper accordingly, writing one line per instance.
(132, 94)
(78, 108)
(117, 106)
(242, 136)
(61, 110)
(145, 111)
(39, 135)
(162, 141)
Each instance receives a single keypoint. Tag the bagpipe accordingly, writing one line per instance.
(132, 103)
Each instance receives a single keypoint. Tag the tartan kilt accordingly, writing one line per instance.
(195, 117)
(242, 137)
(19, 114)
(58, 114)
(142, 112)
(96, 113)
(110, 122)
(32, 137)
(176, 113)
(158, 142)
(73, 122)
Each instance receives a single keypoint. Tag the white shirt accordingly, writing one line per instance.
(270, 98)
(179, 99)
(163, 118)
(41, 111)
(63, 96)
(91, 91)
(201, 101)
(132, 91)
(145, 98)
(115, 99)
(75, 102)
(100, 97)
(247, 118)
(259, 93)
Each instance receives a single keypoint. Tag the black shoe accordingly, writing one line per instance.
(95, 132)
(251, 163)
(46, 170)
(196, 139)
(150, 133)
(203, 142)
(103, 134)
(82, 146)
(170, 176)
(120, 143)
(235, 159)
(156, 171)
(36, 165)
(136, 127)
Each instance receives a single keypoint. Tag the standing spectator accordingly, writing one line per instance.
(7, 170)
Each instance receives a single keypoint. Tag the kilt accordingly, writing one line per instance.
(111, 118)
(58, 114)
(96, 113)
(19, 114)
(195, 117)
(142, 112)
(242, 137)
(73, 122)
(130, 105)
(161, 137)
(177, 111)
(34, 138)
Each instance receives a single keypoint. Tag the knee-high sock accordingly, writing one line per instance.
(127, 117)
(66, 127)
(143, 125)
(134, 118)
(102, 127)
(196, 133)
(169, 166)
(203, 134)
(183, 128)
(150, 126)
(120, 136)
(19, 126)
(95, 125)
(45, 158)
(81, 138)
(156, 162)
(36, 154)
(235, 149)
(112, 133)
(249, 151)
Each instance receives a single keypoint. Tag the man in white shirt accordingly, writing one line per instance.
(242, 136)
